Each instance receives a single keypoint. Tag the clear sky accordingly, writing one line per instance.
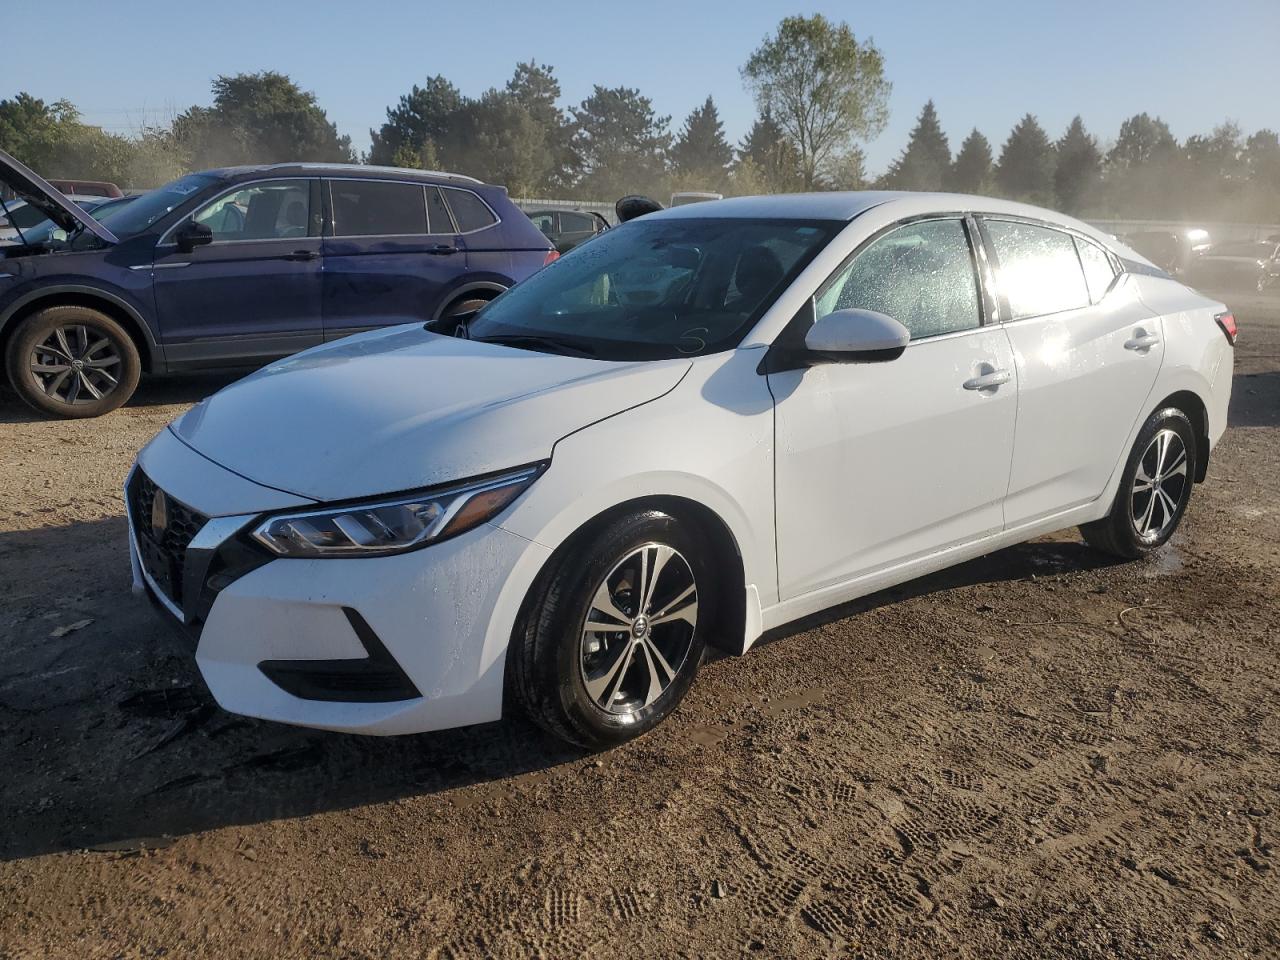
(1193, 62)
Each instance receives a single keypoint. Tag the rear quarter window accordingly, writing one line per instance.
(1098, 272)
(469, 211)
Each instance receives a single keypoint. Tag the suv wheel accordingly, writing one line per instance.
(73, 361)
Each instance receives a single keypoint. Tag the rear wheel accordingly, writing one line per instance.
(616, 632)
(1154, 489)
(73, 361)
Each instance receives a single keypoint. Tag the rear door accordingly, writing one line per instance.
(391, 252)
(1087, 353)
(574, 229)
(254, 292)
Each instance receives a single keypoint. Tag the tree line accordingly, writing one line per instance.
(820, 92)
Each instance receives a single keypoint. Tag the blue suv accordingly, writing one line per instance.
(233, 268)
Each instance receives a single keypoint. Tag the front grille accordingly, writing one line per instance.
(163, 536)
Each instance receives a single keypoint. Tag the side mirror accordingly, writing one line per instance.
(191, 235)
(856, 336)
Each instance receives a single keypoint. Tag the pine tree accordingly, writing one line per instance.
(1025, 170)
(1079, 163)
(972, 171)
(926, 160)
(700, 150)
(770, 156)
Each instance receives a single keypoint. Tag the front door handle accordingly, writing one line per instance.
(442, 250)
(1143, 341)
(988, 381)
(302, 255)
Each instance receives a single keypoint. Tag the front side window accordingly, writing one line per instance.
(921, 274)
(655, 289)
(1040, 272)
(276, 210)
(469, 210)
(1098, 272)
(378, 208)
(546, 222)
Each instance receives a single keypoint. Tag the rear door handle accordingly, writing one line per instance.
(1144, 342)
(442, 250)
(302, 255)
(988, 380)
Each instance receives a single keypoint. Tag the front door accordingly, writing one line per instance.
(253, 294)
(884, 462)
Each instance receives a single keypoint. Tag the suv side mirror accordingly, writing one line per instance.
(191, 235)
(856, 336)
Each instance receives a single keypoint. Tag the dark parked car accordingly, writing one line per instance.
(1169, 250)
(1242, 264)
(233, 268)
(568, 228)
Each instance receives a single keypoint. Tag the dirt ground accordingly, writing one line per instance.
(1037, 754)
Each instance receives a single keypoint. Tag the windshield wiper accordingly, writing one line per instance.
(538, 341)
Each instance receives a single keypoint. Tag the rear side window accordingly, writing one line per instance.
(469, 211)
(1098, 273)
(437, 213)
(372, 208)
(1039, 270)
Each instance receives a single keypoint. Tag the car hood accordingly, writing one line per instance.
(403, 408)
(39, 193)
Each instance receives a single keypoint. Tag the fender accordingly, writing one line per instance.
(54, 290)
(496, 284)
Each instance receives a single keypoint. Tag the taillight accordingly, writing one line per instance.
(552, 256)
(1227, 322)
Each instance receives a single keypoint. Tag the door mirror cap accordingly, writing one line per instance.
(191, 235)
(856, 336)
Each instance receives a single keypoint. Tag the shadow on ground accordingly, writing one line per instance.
(151, 392)
(110, 739)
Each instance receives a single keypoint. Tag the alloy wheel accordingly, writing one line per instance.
(1159, 485)
(639, 629)
(75, 364)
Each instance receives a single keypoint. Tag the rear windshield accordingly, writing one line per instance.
(149, 208)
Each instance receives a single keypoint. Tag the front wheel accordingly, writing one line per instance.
(1154, 489)
(73, 361)
(615, 633)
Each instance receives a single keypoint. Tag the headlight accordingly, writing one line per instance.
(393, 525)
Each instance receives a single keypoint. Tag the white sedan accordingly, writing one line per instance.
(702, 425)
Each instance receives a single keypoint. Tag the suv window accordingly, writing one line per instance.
(469, 211)
(921, 274)
(576, 223)
(1098, 272)
(1039, 270)
(262, 211)
(437, 213)
(377, 208)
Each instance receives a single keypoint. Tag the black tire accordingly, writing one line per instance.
(550, 659)
(1140, 522)
(99, 373)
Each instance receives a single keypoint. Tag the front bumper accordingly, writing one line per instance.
(443, 615)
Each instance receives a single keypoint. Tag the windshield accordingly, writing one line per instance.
(141, 212)
(655, 289)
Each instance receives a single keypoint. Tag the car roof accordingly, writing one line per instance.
(354, 170)
(846, 205)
